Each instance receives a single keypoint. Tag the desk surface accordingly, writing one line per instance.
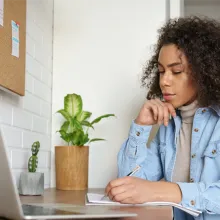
(78, 198)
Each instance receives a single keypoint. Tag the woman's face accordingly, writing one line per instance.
(175, 79)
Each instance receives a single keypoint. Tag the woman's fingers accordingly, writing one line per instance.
(155, 111)
(166, 115)
(162, 111)
(115, 183)
(172, 110)
(160, 107)
(124, 197)
(121, 192)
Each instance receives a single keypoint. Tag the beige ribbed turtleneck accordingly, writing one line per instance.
(181, 171)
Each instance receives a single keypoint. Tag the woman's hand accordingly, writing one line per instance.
(129, 190)
(155, 111)
(133, 190)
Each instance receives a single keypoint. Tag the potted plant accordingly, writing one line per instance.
(71, 161)
(32, 182)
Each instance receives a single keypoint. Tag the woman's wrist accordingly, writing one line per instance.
(166, 192)
(138, 122)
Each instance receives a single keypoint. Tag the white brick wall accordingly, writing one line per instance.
(28, 119)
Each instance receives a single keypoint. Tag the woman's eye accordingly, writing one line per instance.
(177, 72)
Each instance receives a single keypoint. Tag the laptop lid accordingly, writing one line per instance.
(10, 203)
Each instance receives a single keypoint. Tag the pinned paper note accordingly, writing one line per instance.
(15, 39)
(1, 12)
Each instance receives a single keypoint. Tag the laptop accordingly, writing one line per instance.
(11, 207)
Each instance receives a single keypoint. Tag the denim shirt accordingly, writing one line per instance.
(157, 161)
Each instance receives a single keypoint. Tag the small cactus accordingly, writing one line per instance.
(33, 160)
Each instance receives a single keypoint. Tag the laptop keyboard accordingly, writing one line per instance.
(31, 210)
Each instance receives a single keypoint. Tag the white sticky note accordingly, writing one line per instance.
(1, 12)
(15, 39)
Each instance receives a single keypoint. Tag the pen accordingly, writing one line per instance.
(129, 174)
(134, 171)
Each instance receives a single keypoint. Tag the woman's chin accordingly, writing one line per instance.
(175, 103)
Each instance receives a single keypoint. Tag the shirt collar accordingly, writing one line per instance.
(216, 108)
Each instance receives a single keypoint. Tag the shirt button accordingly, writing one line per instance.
(196, 129)
(138, 133)
(194, 155)
(192, 202)
(204, 110)
(214, 151)
(192, 180)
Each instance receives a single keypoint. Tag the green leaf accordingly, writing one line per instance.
(64, 113)
(65, 136)
(77, 138)
(83, 116)
(73, 104)
(85, 139)
(96, 139)
(65, 126)
(101, 117)
(71, 126)
(76, 125)
(62, 132)
(87, 124)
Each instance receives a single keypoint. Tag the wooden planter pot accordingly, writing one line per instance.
(71, 164)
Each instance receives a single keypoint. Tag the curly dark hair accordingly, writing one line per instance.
(199, 39)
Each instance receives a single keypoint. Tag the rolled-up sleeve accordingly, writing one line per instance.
(204, 197)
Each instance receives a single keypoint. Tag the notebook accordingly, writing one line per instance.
(97, 199)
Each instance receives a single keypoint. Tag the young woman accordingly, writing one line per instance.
(183, 78)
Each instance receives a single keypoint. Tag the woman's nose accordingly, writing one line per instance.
(166, 79)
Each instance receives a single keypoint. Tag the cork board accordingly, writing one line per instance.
(12, 68)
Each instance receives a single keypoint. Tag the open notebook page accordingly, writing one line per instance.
(97, 199)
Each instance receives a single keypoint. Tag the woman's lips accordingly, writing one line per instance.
(168, 97)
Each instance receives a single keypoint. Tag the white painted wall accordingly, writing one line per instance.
(28, 119)
(208, 8)
(99, 51)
